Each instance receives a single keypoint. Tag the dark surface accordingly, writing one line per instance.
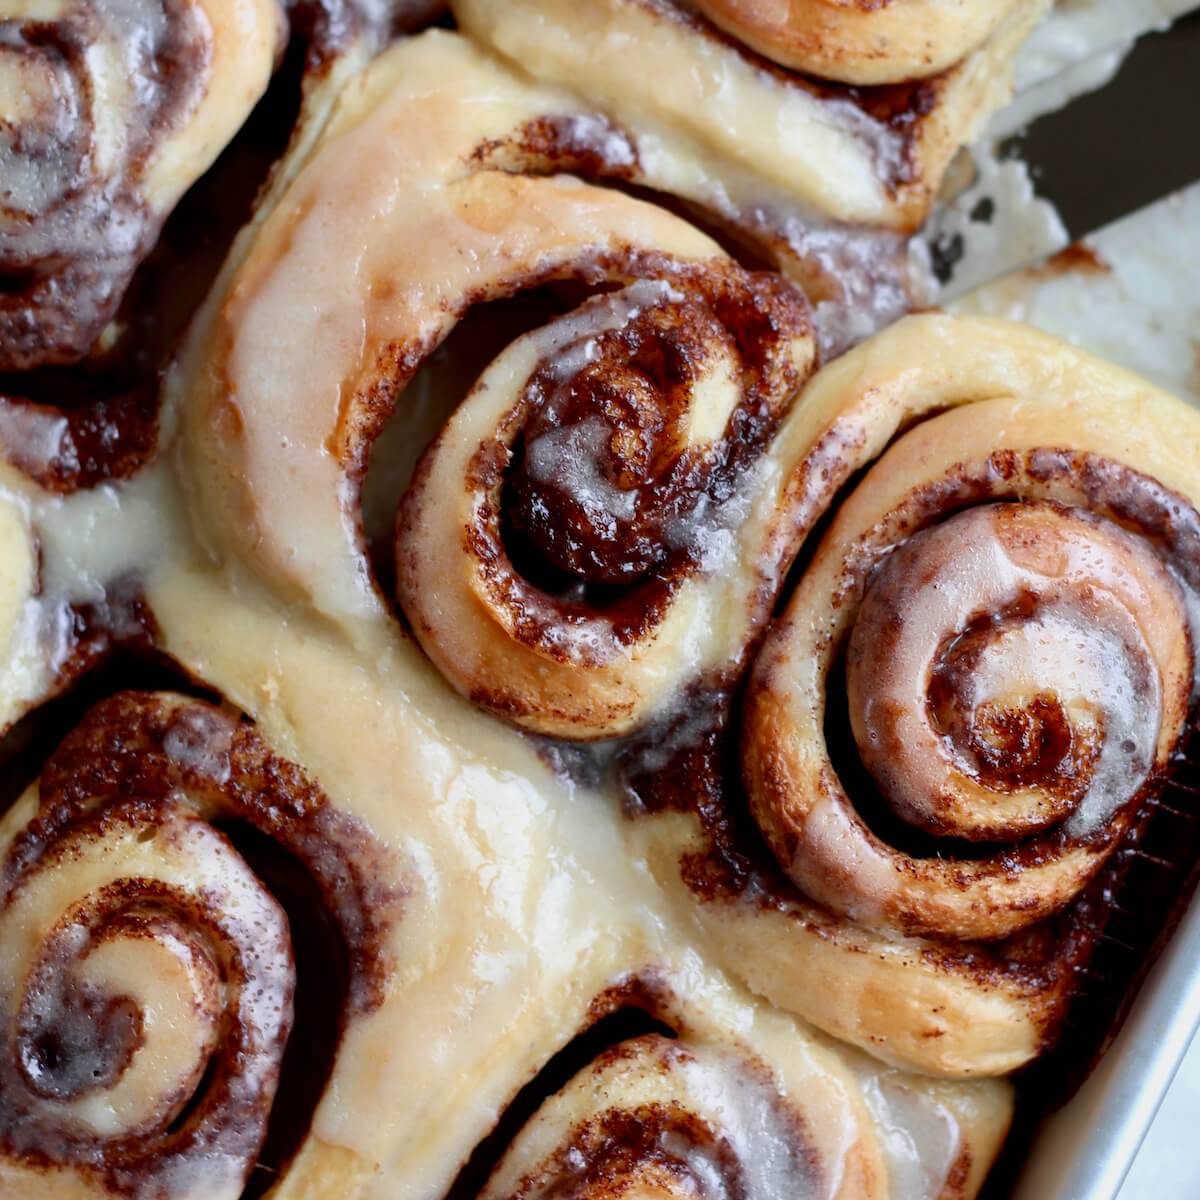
(1128, 144)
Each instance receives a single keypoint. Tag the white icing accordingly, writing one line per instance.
(596, 133)
(568, 344)
(1090, 667)
(746, 1109)
(39, 433)
(1021, 227)
(200, 743)
(569, 459)
(921, 1137)
(92, 544)
(1096, 664)
(712, 530)
(1077, 30)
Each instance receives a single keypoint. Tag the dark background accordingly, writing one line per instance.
(1124, 146)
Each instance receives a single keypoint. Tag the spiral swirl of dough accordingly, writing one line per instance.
(760, 1111)
(665, 1118)
(1018, 675)
(147, 996)
(112, 111)
(979, 683)
(614, 444)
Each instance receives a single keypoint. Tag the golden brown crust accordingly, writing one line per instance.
(861, 41)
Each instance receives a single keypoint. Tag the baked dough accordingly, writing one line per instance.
(826, 181)
(861, 42)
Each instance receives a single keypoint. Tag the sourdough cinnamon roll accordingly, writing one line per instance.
(109, 113)
(666, 1128)
(711, 1105)
(1013, 586)
(149, 978)
(600, 468)
(1016, 677)
(836, 121)
(985, 673)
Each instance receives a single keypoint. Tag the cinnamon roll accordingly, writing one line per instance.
(985, 673)
(1049, 660)
(757, 1112)
(612, 448)
(110, 113)
(836, 121)
(149, 979)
